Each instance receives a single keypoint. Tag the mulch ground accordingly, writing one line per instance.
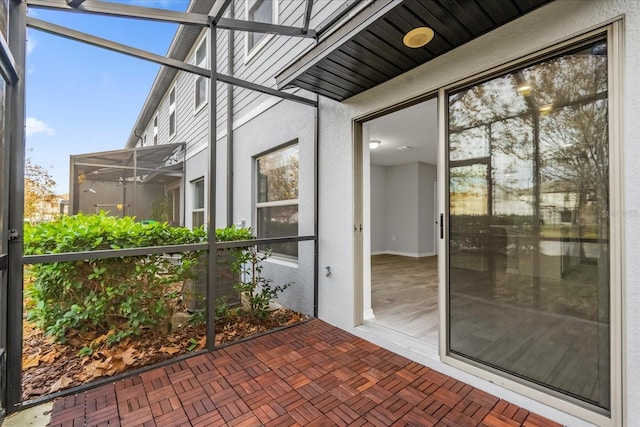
(49, 366)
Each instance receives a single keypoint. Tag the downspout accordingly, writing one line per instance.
(230, 57)
(316, 143)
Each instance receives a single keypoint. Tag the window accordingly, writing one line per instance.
(529, 231)
(172, 112)
(155, 130)
(260, 11)
(201, 82)
(144, 140)
(277, 198)
(198, 203)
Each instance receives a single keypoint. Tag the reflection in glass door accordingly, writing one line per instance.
(529, 227)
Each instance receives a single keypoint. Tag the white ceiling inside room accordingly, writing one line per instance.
(415, 127)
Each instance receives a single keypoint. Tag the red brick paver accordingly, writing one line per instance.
(312, 374)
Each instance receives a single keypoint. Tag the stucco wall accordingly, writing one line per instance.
(281, 124)
(543, 27)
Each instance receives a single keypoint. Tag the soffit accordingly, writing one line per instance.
(368, 50)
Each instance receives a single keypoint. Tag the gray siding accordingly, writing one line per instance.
(192, 124)
(276, 54)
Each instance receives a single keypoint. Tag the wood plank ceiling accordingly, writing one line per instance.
(377, 54)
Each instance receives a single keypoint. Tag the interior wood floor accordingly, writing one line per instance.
(404, 295)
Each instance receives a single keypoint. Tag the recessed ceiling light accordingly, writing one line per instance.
(545, 109)
(418, 37)
(524, 89)
(404, 148)
(373, 144)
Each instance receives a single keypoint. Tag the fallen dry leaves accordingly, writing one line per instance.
(48, 367)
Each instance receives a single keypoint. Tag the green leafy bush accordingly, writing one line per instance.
(257, 291)
(116, 296)
(243, 266)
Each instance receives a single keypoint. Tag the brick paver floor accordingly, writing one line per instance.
(312, 374)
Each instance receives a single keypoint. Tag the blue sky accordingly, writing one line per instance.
(82, 98)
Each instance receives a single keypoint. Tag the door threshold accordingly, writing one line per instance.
(381, 334)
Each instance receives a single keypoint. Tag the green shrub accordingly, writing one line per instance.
(244, 266)
(257, 291)
(116, 296)
(233, 233)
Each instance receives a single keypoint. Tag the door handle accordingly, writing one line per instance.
(442, 226)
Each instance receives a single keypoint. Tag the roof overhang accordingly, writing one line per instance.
(368, 50)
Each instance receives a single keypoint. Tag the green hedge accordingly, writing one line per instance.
(117, 296)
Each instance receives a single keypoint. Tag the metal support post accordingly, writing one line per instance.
(16, 102)
(211, 210)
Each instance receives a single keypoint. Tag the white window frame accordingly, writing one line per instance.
(195, 209)
(204, 63)
(172, 110)
(155, 130)
(277, 203)
(251, 51)
(144, 140)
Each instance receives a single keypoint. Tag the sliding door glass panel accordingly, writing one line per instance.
(529, 229)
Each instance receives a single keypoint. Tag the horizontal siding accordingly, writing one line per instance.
(276, 54)
(192, 125)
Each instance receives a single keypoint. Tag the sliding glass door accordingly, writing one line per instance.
(529, 287)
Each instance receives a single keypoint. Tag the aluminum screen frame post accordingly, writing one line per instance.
(211, 210)
(16, 141)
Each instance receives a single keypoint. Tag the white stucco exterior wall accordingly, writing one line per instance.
(541, 28)
(283, 123)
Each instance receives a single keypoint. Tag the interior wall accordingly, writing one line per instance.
(402, 209)
(402, 216)
(427, 175)
(378, 209)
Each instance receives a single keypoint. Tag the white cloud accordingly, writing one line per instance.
(31, 44)
(35, 126)
(32, 39)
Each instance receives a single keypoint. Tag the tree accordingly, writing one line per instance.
(38, 191)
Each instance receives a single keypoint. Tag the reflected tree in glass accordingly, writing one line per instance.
(529, 227)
